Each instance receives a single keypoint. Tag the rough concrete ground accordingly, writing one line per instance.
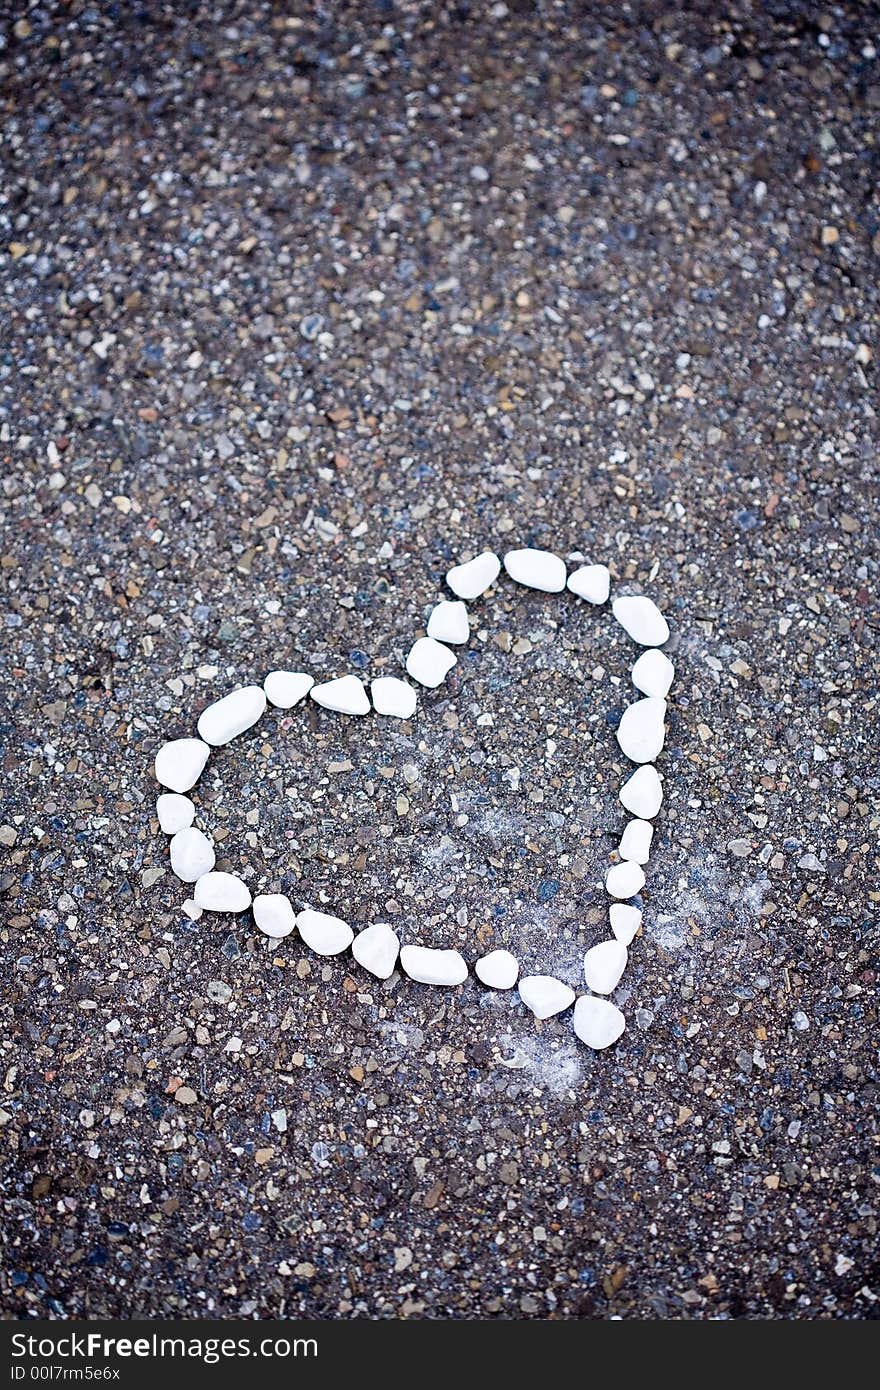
(300, 305)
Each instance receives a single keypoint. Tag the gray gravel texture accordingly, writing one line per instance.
(300, 306)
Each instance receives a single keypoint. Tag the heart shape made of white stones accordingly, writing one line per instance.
(641, 732)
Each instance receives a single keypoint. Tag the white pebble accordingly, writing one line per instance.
(536, 569)
(274, 914)
(284, 689)
(592, 582)
(175, 812)
(393, 696)
(642, 793)
(653, 673)
(641, 732)
(323, 933)
(597, 1022)
(545, 995)
(603, 966)
(625, 921)
(498, 970)
(221, 892)
(449, 622)
(475, 576)
(432, 967)
(624, 880)
(429, 662)
(376, 948)
(635, 842)
(180, 763)
(192, 854)
(223, 721)
(192, 911)
(642, 619)
(345, 695)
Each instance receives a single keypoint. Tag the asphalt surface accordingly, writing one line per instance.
(297, 312)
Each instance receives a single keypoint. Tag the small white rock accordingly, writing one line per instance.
(592, 582)
(545, 995)
(429, 662)
(641, 732)
(604, 964)
(345, 695)
(393, 696)
(642, 793)
(431, 967)
(536, 569)
(635, 842)
(653, 673)
(323, 933)
(498, 970)
(597, 1022)
(449, 622)
(284, 689)
(180, 763)
(192, 910)
(624, 880)
(475, 576)
(225, 719)
(175, 812)
(274, 914)
(625, 921)
(376, 948)
(192, 854)
(642, 619)
(221, 892)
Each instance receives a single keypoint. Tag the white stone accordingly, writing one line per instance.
(592, 582)
(221, 892)
(431, 967)
(545, 995)
(323, 933)
(175, 812)
(180, 763)
(223, 721)
(475, 576)
(192, 854)
(498, 970)
(284, 689)
(429, 662)
(625, 921)
(191, 909)
(642, 793)
(642, 619)
(641, 732)
(274, 914)
(393, 696)
(597, 1022)
(345, 695)
(635, 842)
(603, 966)
(536, 569)
(624, 880)
(376, 948)
(449, 622)
(653, 673)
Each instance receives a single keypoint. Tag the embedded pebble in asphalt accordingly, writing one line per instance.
(180, 763)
